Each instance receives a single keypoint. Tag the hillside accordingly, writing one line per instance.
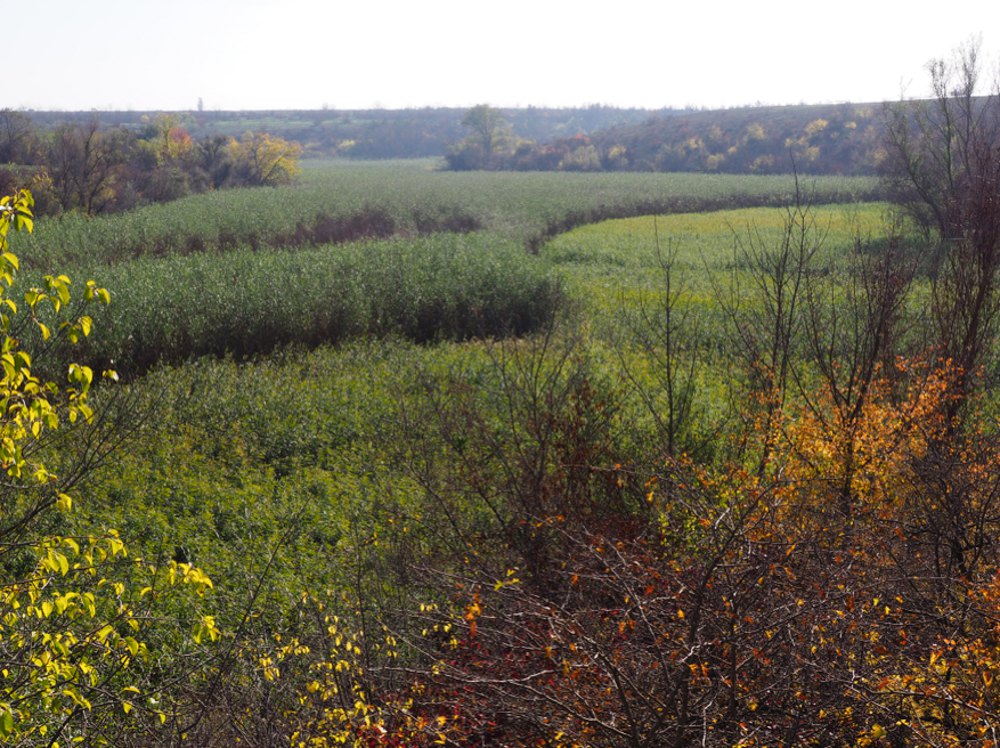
(820, 139)
(827, 139)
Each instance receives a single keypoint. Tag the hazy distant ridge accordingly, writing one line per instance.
(822, 139)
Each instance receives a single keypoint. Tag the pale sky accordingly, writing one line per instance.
(304, 54)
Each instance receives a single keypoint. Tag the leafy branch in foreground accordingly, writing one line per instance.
(73, 610)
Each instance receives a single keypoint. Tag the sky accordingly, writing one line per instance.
(307, 54)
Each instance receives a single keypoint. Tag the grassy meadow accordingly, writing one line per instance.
(340, 255)
(333, 391)
(296, 422)
(343, 200)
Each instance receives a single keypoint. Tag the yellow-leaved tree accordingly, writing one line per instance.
(75, 611)
(261, 159)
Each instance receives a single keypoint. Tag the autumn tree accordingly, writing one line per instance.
(260, 159)
(94, 170)
(169, 141)
(765, 322)
(165, 164)
(944, 169)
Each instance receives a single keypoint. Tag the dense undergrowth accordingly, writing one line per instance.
(701, 501)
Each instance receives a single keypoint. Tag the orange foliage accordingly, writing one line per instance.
(816, 603)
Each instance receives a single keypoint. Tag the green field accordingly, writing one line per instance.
(601, 259)
(195, 276)
(334, 427)
(402, 197)
(298, 420)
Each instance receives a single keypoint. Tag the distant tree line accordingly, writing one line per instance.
(842, 139)
(364, 133)
(86, 167)
(827, 139)
(413, 133)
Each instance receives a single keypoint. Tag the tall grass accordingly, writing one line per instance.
(349, 201)
(245, 302)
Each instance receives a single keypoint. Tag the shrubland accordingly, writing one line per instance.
(444, 539)
(736, 483)
(824, 578)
